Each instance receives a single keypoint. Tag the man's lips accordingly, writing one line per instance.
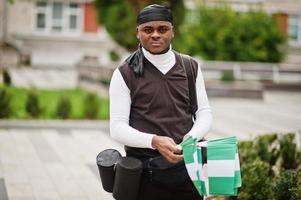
(155, 44)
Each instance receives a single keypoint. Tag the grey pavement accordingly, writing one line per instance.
(42, 160)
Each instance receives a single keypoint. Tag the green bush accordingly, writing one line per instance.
(267, 148)
(5, 107)
(288, 185)
(247, 153)
(228, 76)
(6, 78)
(32, 106)
(262, 160)
(48, 101)
(264, 148)
(290, 156)
(91, 106)
(114, 56)
(223, 34)
(256, 181)
(64, 108)
(105, 82)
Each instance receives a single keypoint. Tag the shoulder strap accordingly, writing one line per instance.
(187, 63)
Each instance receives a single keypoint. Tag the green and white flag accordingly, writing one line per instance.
(221, 175)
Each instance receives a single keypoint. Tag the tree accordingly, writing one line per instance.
(223, 34)
(119, 18)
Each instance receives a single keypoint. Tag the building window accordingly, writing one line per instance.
(58, 17)
(294, 27)
(73, 16)
(41, 21)
(41, 15)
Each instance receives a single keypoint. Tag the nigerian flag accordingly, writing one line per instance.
(220, 173)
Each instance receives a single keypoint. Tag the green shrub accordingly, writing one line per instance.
(32, 106)
(223, 34)
(105, 82)
(91, 106)
(247, 153)
(290, 156)
(6, 78)
(228, 76)
(256, 181)
(114, 55)
(288, 185)
(63, 108)
(5, 107)
(261, 161)
(264, 148)
(267, 148)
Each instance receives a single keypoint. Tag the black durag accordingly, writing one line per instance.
(152, 12)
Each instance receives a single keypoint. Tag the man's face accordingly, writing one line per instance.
(155, 36)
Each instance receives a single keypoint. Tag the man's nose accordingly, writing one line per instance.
(156, 34)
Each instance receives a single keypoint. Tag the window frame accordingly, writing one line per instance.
(298, 24)
(67, 12)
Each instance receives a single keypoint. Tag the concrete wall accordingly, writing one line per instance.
(294, 55)
(65, 51)
(20, 18)
(287, 6)
(1, 20)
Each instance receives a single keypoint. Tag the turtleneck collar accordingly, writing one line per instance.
(164, 62)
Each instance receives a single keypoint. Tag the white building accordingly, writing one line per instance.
(56, 33)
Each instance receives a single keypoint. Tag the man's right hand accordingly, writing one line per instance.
(167, 148)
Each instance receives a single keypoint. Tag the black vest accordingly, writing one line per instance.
(160, 103)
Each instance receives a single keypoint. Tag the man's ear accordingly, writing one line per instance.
(137, 33)
(173, 33)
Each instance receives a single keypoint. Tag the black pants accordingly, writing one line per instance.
(149, 191)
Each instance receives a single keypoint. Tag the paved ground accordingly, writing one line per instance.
(54, 160)
(246, 118)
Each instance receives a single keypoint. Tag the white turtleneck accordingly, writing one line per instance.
(163, 62)
(120, 105)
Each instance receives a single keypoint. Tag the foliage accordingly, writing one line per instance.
(48, 100)
(223, 34)
(5, 107)
(114, 55)
(32, 104)
(125, 13)
(64, 108)
(6, 78)
(262, 160)
(91, 106)
(246, 152)
(264, 148)
(267, 148)
(290, 156)
(228, 76)
(288, 185)
(256, 181)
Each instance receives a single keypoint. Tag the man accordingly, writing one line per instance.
(149, 102)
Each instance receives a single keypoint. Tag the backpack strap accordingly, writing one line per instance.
(191, 78)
